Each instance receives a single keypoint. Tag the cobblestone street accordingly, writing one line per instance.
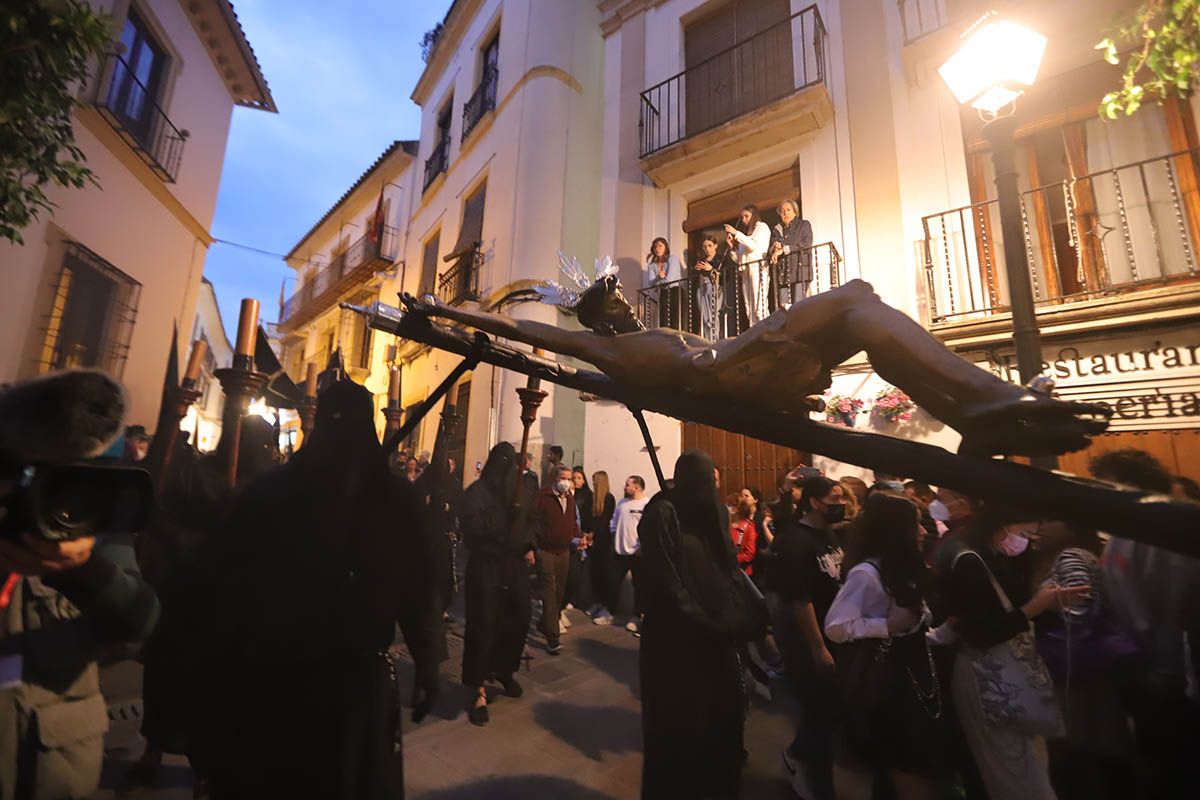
(576, 733)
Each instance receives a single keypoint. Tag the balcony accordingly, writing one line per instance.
(677, 304)
(126, 104)
(460, 283)
(438, 161)
(366, 256)
(1104, 239)
(763, 90)
(481, 102)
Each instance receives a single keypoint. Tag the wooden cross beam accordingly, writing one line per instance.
(1122, 512)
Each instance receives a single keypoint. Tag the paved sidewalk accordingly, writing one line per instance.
(576, 733)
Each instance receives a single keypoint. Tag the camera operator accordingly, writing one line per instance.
(62, 599)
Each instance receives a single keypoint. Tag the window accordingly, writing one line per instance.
(356, 335)
(456, 447)
(483, 99)
(92, 314)
(461, 281)
(724, 80)
(429, 264)
(137, 77)
(439, 159)
(491, 54)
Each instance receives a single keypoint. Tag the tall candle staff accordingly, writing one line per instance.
(532, 394)
(392, 412)
(241, 383)
(307, 407)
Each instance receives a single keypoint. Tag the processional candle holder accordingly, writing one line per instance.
(531, 394)
(181, 399)
(307, 407)
(392, 412)
(241, 383)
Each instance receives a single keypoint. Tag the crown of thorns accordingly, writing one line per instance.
(567, 295)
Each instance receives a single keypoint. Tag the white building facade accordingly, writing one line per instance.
(103, 280)
(712, 105)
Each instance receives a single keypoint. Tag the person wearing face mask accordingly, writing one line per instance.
(808, 575)
(556, 524)
(991, 598)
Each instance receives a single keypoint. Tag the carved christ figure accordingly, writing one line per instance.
(782, 360)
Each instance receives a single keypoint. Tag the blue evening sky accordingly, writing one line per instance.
(341, 74)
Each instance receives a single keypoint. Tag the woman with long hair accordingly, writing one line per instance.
(883, 601)
(749, 240)
(991, 596)
(663, 271)
(601, 556)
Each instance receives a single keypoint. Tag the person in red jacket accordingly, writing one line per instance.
(556, 524)
(743, 532)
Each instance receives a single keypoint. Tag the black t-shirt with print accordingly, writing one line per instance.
(808, 566)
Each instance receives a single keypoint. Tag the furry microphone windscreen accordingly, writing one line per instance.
(61, 417)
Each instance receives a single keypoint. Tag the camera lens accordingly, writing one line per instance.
(72, 505)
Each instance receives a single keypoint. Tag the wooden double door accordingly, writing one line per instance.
(744, 461)
(738, 58)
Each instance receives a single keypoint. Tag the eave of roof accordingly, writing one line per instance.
(217, 25)
(408, 146)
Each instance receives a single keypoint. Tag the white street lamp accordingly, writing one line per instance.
(997, 61)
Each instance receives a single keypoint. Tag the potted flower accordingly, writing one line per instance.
(841, 410)
(893, 405)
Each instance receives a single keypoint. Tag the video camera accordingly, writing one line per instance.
(48, 427)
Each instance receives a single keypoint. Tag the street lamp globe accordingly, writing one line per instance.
(997, 61)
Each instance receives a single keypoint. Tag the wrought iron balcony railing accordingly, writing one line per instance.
(482, 101)
(126, 104)
(461, 282)
(1116, 230)
(369, 254)
(716, 308)
(772, 64)
(438, 160)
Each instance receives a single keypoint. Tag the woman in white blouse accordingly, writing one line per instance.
(749, 241)
(883, 600)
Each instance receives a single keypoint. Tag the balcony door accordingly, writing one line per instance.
(136, 79)
(737, 59)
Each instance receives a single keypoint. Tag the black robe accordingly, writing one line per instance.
(320, 560)
(695, 618)
(497, 580)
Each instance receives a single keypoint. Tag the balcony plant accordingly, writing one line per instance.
(843, 409)
(1162, 39)
(893, 405)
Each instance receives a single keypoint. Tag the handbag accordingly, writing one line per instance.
(864, 672)
(1015, 690)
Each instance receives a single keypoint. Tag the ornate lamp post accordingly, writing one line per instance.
(997, 61)
(241, 382)
(532, 394)
(392, 412)
(307, 407)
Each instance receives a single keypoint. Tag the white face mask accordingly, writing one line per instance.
(1013, 545)
(561, 487)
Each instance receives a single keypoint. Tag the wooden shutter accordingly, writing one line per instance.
(1095, 273)
(429, 265)
(765, 192)
(471, 230)
(1181, 127)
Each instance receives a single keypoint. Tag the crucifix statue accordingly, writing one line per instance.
(780, 363)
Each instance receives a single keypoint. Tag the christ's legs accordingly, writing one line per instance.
(841, 322)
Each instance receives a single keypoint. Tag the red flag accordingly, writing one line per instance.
(376, 232)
